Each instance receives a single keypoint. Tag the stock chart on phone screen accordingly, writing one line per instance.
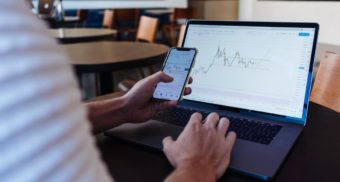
(177, 66)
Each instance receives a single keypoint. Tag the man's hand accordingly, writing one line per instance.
(202, 150)
(139, 104)
(135, 106)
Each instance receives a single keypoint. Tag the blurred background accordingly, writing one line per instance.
(163, 22)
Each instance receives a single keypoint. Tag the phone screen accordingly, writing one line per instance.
(177, 65)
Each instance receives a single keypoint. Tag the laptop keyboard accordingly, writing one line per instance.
(245, 129)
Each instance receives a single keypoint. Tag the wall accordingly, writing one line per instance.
(216, 9)
(327, 14)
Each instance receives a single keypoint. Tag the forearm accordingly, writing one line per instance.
(106, 114)
(196, 171)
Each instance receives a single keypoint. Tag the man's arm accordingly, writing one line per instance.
(201, 152)
(193, 171)
(134, 107)
(106, 114)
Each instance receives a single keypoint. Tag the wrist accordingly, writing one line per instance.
(106, 114)
(201, 168)
(119, 111)
(125, 109)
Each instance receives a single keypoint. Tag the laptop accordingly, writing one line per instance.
(258, 74)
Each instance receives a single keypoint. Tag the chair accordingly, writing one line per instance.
(181, 36)
(326, 89)
(108, 19)
(123, 20)
(147, 29)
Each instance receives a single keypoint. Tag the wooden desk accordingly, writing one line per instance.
(105, 57)
(315, 157)
(76, 35)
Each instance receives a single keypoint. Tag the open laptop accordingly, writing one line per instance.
(258, 74)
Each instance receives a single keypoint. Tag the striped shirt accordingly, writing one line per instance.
(44, 131)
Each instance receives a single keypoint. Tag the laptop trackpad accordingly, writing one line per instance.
(150, 133)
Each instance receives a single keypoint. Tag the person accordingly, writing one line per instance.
(45, 130)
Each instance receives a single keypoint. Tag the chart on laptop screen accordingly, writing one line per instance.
(257, 68)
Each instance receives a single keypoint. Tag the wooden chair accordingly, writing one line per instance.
(181, 36)
(147, 29)
(107, 19)
(326, 88)
(124, 21)
(123, 16)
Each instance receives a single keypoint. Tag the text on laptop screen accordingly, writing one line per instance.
(255, 68)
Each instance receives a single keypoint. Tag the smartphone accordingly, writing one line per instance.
(178, 65)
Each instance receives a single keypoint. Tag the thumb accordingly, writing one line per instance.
(161, 77)
(167, 142)
(166, 78)
(167, 147)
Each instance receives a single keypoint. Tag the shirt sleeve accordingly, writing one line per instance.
(44, 131)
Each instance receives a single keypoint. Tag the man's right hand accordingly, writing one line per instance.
(202, 151)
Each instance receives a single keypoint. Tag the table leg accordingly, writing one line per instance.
(106, 82)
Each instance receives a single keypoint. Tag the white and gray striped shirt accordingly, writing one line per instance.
(44, 131)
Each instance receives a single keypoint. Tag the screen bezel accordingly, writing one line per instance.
(277, 117)
(187, 76)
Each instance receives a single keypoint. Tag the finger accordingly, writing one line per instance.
(167, 142)
(187, 91)
(223, 126)
(212, 120)
(160, 76)
(190, 80)
(230, 140)
(195, 119)
(166, 78)
(167, 145)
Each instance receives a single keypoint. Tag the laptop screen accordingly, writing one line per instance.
(256, 68)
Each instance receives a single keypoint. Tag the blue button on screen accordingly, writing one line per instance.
(303, 34)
